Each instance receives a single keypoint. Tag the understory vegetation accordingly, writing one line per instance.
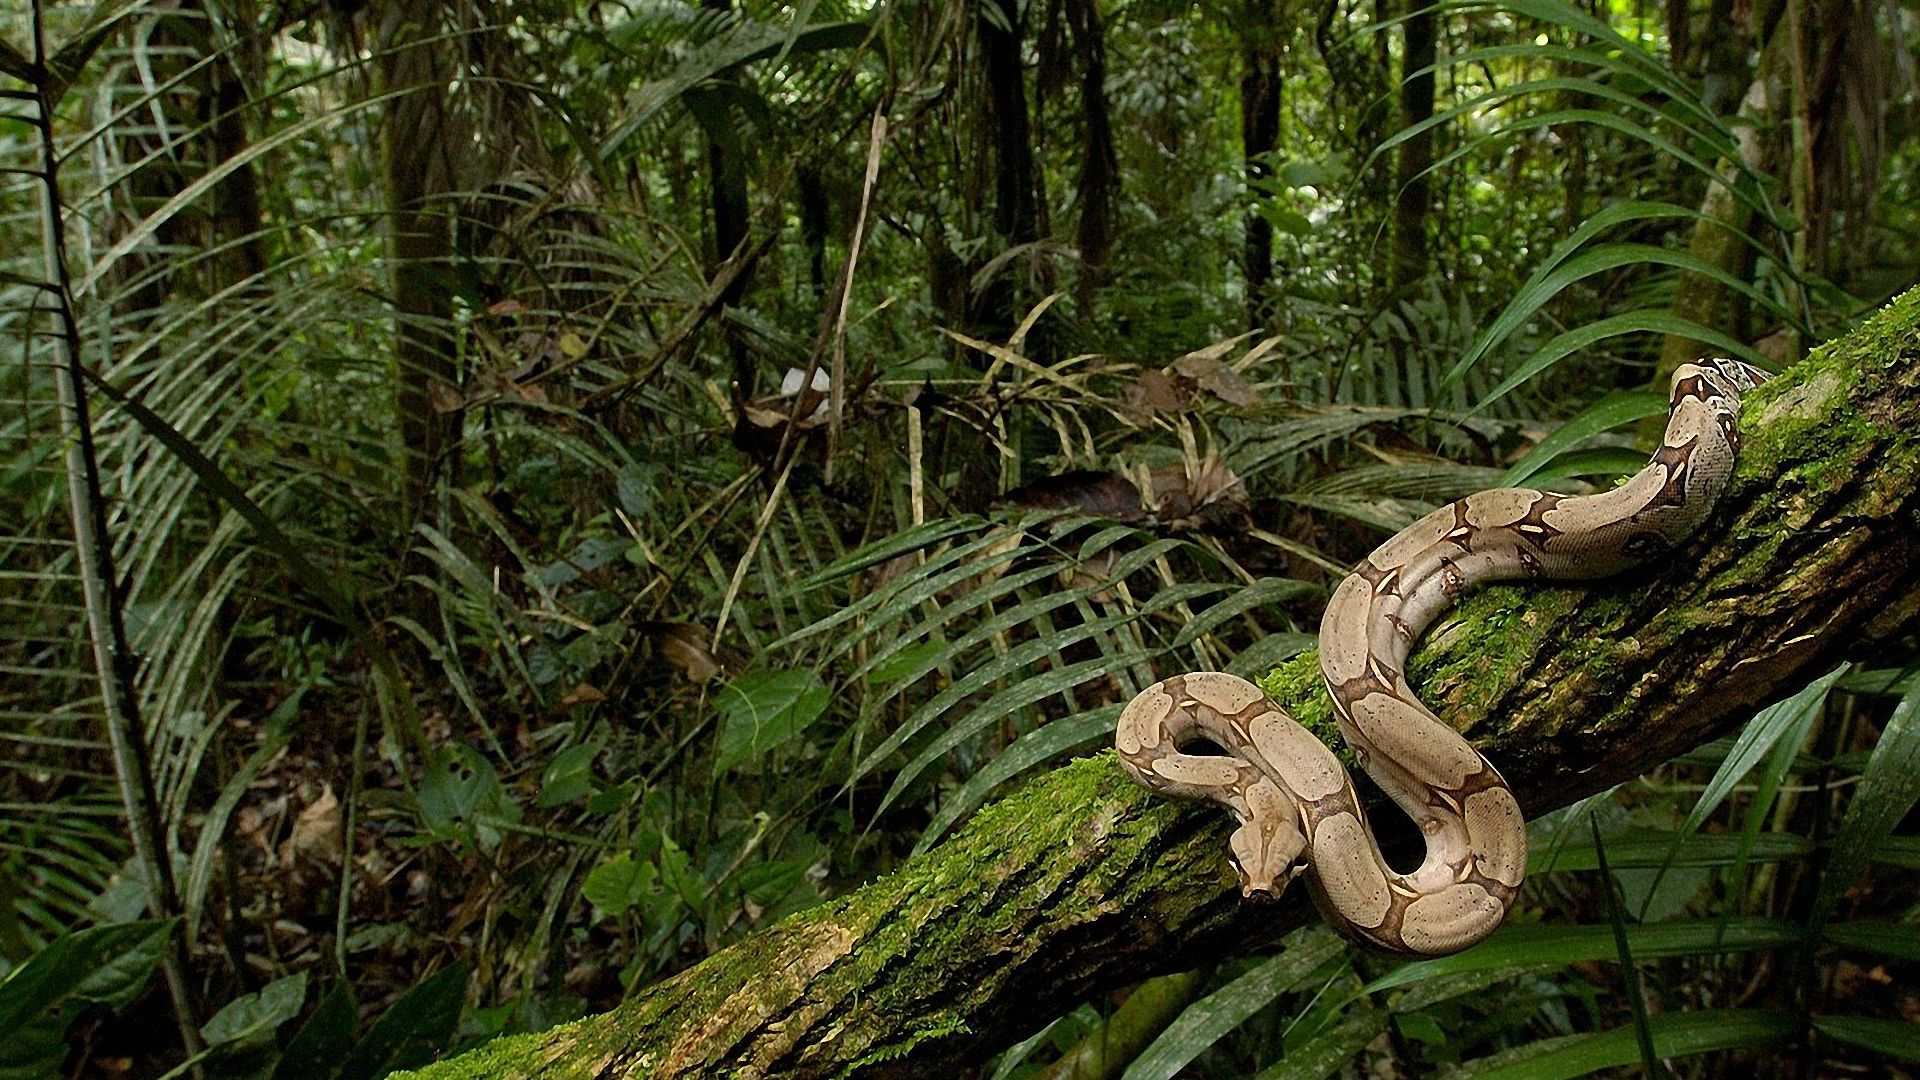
(504, 500)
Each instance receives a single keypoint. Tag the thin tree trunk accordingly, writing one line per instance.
(727, 203)
(199, 100)
(1415, 197)
(1080, 882)
(420, 159)
(1260, 102)
(1016, 207)
(812, 199)
(1679, 34)
(236, 200)
(1099, 166)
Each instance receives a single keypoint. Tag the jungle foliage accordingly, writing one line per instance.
(509, 498)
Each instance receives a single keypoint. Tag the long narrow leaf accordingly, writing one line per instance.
(1674, 1035)
(1205, 1021)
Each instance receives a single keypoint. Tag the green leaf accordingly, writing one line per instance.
(1205, 1021)
(760, 711)
(213, 830)
(1895, 1038)
(610, 799)
(1786, 722)
(1889, 786)
(742, 43)
(1019, 695)
(1632, 322)
(1617, 408)
(767, 883)
(1623, 952)
(618, 883)
(1596, 461)
(1531, 296)
(1262, 591)
(1329, 1049)
(917, 538)
(106, 965)
(1673, 1034)
(414, 1030)
(1882, 682)
(252, 1015)
(1299, 174)
(984, 675)
(1653, 849)
(1898, 940)
(457, 783)
(1291, 222)
(907, 661)
(569, 775)
(324, 1041)
(1558, 945)
(13, 62)
(1900, 851)
(1049, 740)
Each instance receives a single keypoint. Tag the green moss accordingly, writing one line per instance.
(1802, 424)
(509, 1055)
(937, 1028)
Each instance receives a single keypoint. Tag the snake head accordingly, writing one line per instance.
(1736, 375)
(1268, 848)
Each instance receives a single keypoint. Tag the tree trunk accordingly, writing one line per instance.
(1259, 135)
(1016, 206)
(197, 88)
(727, 203)
(1080, 881)
(1679, 35)
(420, 160)
(1099, 166)
(811, 188)
(1416, 154)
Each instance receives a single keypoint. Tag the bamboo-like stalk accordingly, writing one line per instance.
(106, 627)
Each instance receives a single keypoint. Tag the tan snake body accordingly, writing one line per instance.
(1297, 806)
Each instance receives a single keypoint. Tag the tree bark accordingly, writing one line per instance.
(1099, 165)
(1016, 204)
(727, 203)
(1080, 881)
(1260, 89)
(422, 154)
(1416, 154)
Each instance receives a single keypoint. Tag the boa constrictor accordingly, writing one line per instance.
(1296, 804)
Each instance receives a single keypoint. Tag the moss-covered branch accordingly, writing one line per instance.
(1079, 881)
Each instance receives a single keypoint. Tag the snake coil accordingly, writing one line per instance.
(1296, 804)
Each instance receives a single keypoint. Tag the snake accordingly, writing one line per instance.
(1294, 802)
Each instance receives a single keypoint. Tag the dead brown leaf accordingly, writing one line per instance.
(316, 834)
(582, 694)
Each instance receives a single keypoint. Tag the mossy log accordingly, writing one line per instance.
(1079, 882)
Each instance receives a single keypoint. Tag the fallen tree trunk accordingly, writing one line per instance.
(1080, 882)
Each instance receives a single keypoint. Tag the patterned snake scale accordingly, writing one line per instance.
(1295, 803)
